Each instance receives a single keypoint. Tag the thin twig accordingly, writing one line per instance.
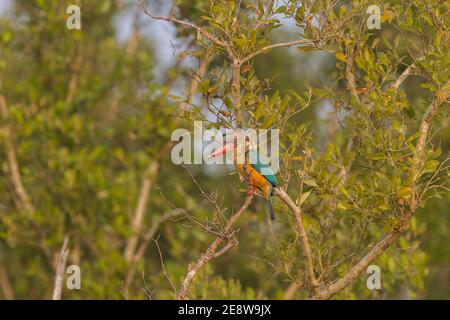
(350, 74)
(405, 74)
(213, 250)
(145, 241)
(276, 45)
(204, 62)
(223, 44)
(164, 267)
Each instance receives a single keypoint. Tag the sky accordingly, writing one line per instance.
(162, 33)
(4, 4)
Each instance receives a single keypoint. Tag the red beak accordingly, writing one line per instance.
(222, 150)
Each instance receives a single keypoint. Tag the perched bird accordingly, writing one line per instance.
(251, 173)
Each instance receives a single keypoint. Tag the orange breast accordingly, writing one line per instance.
(257, 179)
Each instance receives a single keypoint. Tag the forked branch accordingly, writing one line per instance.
(214, 250)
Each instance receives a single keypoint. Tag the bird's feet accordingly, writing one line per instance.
(251, 191)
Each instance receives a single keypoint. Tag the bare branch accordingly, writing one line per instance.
(164, 267)
(289, 293)
(146, 239)
(5, 284)
(60, 269)
(13, 165)
(440, 97)
(224, 45)
(138, 219)
(350, 75)
(236, 91)
(405, 74)
(356, 270)
(204, 62)
(276, 45)
(213, 250)
(301, 232)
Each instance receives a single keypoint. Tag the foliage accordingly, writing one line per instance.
(90, 119)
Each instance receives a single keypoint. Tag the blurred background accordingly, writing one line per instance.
(91, 110)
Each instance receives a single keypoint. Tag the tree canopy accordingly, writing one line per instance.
(86, 120)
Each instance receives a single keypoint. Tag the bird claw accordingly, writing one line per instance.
(251, 191)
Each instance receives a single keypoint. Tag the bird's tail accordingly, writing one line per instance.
(272, 212)
(269, 198)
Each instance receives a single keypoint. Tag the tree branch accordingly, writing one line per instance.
(289, 293)
(164, 266)
(236, 91)
(350, 75)
(391, 237)
(13, 165)
(5, 284)
(275, 45)
(213, 250)
(356, 270)
(440, 97)
(301, 232)
(204, 62)
(138, 219)
(153, 167)
(199, 29)
(405, 74)
(145, 241)
(60, 269)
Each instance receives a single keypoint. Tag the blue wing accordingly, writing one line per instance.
(267, 170)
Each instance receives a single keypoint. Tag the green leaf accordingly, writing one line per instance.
(404, 192)
(430, 166)
(304, 196)
(340, 56)
(342, 205)
(378, 156)
(228, 103)
(203, 87)
(310, 182)
(281, 9)
(300, 15)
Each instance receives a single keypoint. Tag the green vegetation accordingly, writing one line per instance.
(85, 127)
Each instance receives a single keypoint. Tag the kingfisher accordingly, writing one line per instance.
(251, 173)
